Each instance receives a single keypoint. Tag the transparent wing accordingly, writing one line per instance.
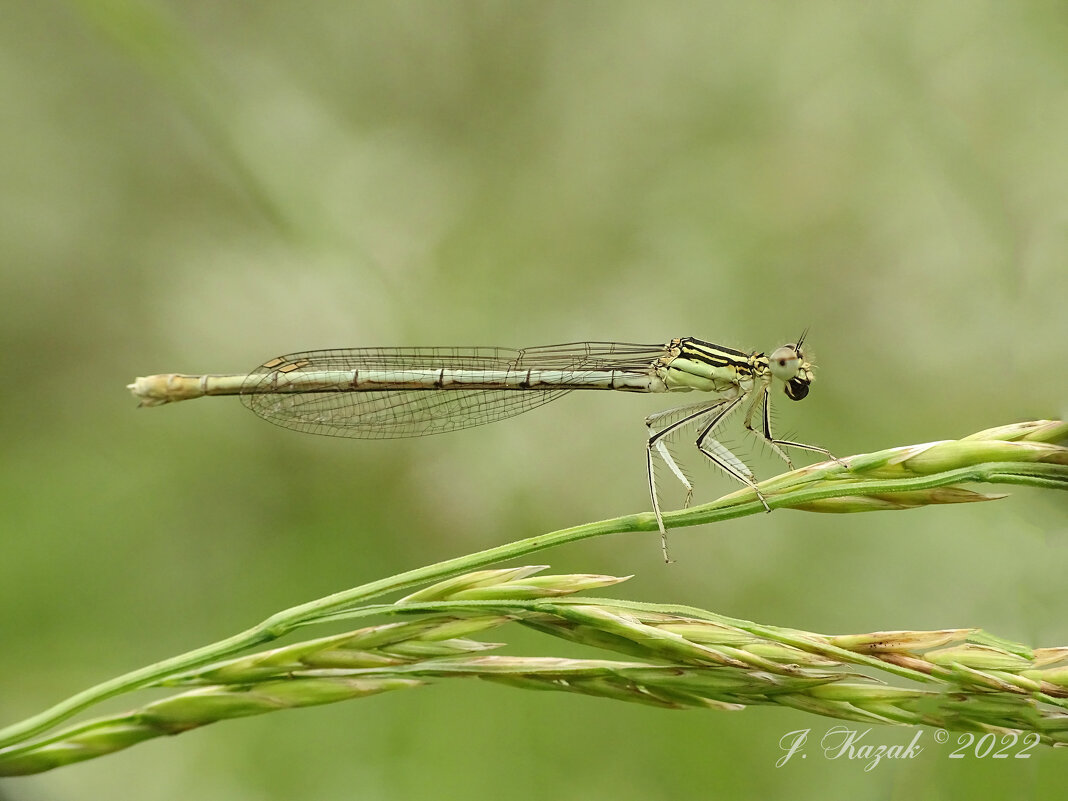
(388, 414)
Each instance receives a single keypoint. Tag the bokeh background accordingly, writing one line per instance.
(200, 186)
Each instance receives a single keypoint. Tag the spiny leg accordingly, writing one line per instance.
(775, 444)
(665, 454)
(656, 443)
(656, 503)
(765, 435)
(721, 456)
(677, 413)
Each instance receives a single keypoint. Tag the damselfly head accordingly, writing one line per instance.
(788, 364)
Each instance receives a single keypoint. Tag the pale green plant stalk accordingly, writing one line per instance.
(681, 656)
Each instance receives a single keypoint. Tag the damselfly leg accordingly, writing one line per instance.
(777, 445)
(709, 416)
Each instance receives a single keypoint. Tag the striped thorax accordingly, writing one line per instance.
(694, 365)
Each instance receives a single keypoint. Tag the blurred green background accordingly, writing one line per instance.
(200, 186)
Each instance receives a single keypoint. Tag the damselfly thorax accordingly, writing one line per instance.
(384, 393)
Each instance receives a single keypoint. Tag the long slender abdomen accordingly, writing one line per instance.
(156, 390)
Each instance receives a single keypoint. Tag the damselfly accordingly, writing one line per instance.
(382, 393)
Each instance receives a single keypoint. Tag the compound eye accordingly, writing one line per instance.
(785, 362)
(797, 388)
